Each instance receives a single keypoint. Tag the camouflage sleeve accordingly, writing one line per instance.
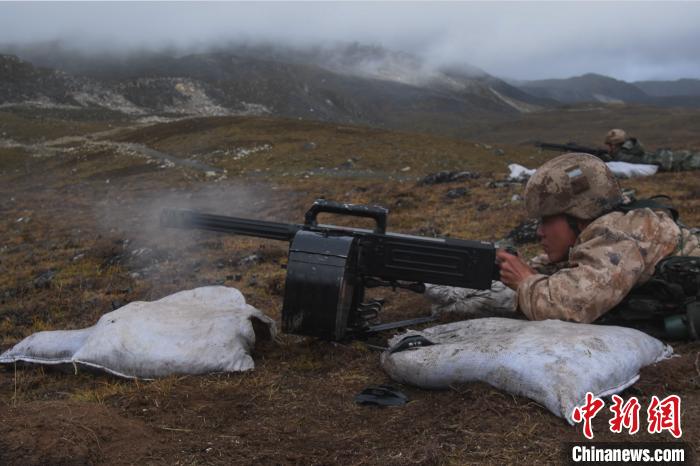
(674, 160)
(612, 255)
(690, 242)
(542, 265)
(605, 269)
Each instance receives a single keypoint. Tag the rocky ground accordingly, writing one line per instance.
(79, 237)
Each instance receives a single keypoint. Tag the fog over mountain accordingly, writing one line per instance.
(631, 41)
(411, 66)
(354, 84)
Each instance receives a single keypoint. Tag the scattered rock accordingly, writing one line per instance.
(310, 146)
(356, 189)
(525, 232)
(116, 304)
(253, 281)
(482, 207)
(457, 193)
(516, 198)
(275, 285)
(431, 231)
(501, 184)
(250, 260)
(140, 252)
(447, 177)
(406, 169)
(404, 202)
(44, 279)
(499, 152)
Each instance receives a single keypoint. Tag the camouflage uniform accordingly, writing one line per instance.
(615, 252)
(674, 160)
(632, 151)
(611, 256)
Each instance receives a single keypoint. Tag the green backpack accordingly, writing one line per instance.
(667, 306)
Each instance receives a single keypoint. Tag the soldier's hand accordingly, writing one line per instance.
(513, 269)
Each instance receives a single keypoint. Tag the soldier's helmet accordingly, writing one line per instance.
(576, 184)
(615, 136)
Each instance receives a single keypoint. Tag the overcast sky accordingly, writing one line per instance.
(521, 40)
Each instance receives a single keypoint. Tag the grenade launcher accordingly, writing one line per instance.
(329, 266)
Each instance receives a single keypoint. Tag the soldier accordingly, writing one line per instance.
(595, 252)
(623, 148)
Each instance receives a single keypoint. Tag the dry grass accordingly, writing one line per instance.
(97, 243)
(31, 125)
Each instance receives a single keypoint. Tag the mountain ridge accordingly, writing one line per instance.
(592, 87)
(346, 84)
(221, 83)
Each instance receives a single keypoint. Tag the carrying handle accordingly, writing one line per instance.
(379, 214)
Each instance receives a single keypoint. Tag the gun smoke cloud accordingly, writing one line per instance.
(516, 40)
(145, 244)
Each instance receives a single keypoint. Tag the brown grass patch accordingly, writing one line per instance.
(296, 406)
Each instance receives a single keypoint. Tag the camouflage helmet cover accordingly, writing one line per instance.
(615, 136)
(577, 184)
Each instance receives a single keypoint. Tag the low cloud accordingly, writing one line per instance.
(518, 40)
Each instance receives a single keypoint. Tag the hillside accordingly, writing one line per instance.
(591, 88)
(587, 88)
(20, 81)
(350, 84)
(680, 87)
(386, 90)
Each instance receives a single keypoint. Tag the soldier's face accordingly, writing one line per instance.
(556, 237)
(612, 148)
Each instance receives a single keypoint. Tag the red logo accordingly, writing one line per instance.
(661, 415)
(625, 415)
(587, 412)
(665, 415)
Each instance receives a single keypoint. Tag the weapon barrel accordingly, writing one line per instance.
(600, 153)
(187, 219)
(550, 146)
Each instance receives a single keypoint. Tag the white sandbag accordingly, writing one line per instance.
(619, 169)
(498, 301)
(552, 362)
(208, 329)
(519, 173)
(632, 170)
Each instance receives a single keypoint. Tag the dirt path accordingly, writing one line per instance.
(100, 140)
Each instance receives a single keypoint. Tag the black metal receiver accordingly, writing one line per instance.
(329, 266)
